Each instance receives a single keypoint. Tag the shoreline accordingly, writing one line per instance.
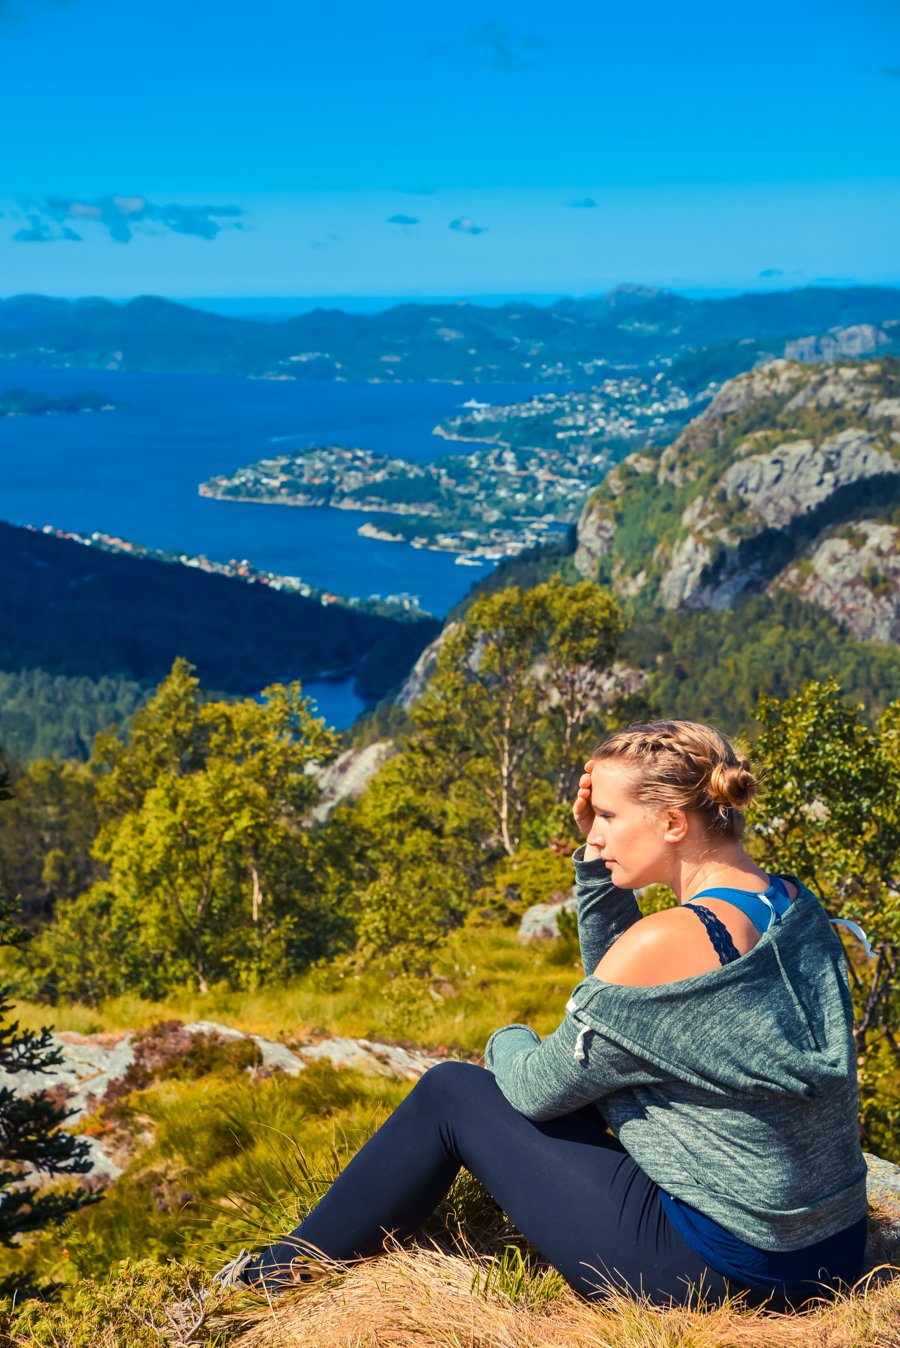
(308, 505)
(483, 440)
(244, 572)
(486, 552)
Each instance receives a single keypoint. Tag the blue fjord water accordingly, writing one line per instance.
(134, 473)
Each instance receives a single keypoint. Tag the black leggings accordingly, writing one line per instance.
(569, 1186)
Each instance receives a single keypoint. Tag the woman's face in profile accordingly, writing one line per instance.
(629, 835)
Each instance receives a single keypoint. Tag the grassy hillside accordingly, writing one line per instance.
(215, 1159)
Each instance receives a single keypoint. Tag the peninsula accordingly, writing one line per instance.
(530, 474)
(397, 606)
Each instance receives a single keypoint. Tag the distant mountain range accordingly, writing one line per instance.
(570, 340)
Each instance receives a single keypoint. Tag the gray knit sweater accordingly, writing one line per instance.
(734, 1090)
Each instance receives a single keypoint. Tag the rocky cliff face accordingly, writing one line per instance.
(860, 339)
(782, 453)
(349, 775)
(596, 528)
(854, 573)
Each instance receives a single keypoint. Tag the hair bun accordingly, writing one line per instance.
(732, 784)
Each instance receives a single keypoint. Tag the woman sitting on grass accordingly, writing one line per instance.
(691, 1126)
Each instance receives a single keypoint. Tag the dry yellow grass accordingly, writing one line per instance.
(423, 1298)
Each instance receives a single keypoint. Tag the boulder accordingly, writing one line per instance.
(540, 922)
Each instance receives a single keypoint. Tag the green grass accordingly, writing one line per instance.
(227, 1160)
(496, 980)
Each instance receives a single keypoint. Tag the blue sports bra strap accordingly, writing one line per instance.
(763, 909)
(781, 893)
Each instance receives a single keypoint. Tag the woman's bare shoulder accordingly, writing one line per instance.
(663, 947)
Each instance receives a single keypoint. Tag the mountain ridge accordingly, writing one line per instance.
(782, 457)
(465, 342)
(80, 611)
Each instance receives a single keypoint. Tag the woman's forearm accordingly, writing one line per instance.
(604, 911)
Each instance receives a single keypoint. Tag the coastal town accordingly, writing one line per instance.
(646, 408)
(535, 463)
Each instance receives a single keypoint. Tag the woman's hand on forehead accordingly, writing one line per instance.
(582, 809)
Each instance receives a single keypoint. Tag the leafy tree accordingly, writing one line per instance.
(585, 625)
(46, 832)
(418, 847)
(831, 814)
(483, 704)
(517, 665)
(209, 872)
(30, 1135)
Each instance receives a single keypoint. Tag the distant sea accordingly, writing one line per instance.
(134, 473)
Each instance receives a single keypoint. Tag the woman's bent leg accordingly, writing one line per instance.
(568, 1186)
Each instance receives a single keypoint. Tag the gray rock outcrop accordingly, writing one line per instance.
(792, 479)
(540, 922)
(92, 1064)
(595, 531)
(853, 573)
(349, 775)
(416, 680)
(861, 339)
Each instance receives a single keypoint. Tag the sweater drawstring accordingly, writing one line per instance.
(857, 932)
(580, 1053)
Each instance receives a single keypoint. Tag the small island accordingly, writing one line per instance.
(20, 402)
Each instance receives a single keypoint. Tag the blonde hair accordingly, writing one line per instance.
(681, 765)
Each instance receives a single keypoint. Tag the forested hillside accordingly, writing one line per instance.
(85, 613)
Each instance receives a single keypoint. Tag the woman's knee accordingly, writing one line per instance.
(451, 1082)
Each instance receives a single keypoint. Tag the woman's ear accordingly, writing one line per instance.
(676, 826)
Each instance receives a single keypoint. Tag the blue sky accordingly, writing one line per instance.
(292, 148)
